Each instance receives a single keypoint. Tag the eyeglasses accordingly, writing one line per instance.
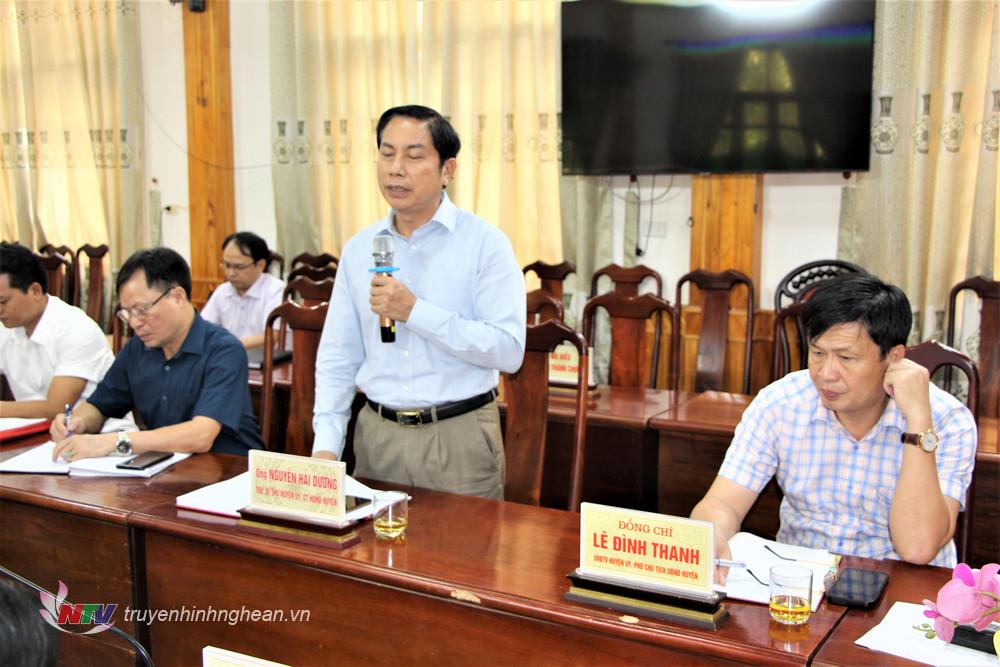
(142, 310)
(226, 266)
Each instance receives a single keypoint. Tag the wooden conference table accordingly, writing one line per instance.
(660, 450)
(476, 582)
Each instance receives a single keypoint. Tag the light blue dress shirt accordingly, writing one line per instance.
(467, 325)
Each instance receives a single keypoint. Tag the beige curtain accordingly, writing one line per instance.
(71, 124)
(490, 67)
(925, 216)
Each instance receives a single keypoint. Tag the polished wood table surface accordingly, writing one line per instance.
(75, 530)
(475, 582)
(907, 583)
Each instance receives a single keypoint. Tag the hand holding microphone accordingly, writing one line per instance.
(389, 299)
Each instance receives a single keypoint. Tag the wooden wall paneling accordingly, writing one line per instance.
(762, 343)
(725, 234)
(210, 141)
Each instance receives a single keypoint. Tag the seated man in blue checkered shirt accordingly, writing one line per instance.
(873, 459)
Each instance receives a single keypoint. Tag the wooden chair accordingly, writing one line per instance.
(95, 280)
(989, 338)
(626, 281)
(274, 258)
(308, 292)
(313, 273)
(306, 325)
(932, 355)
(527, 396)
(634, 351)
(543, 307)
(318, 261)
(120, 332)
(58, 270)
(799, 283)
(789, 318)
(716, 289)
(551, 275)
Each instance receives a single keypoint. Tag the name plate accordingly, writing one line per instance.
(564, 364)
(298, 486)
(645, 550)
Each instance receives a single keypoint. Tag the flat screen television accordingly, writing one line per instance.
(716, 87)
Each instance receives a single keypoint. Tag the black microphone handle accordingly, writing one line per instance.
(388, 332)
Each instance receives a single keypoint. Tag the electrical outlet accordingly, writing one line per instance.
(657, 230)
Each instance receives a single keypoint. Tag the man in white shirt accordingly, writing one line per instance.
(50, 352)
(241, 305)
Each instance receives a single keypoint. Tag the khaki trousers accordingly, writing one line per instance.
(463, 454)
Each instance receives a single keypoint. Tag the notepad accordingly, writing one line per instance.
(750, 549)
(39, 460)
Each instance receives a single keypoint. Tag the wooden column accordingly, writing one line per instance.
(210, 141)
(726, 234)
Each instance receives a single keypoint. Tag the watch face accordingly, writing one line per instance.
(929, 441)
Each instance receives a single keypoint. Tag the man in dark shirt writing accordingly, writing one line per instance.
(185, 377)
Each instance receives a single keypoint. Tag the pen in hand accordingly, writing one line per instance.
(69, 415)
(722, 562)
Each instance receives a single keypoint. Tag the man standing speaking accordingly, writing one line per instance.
(454, 294)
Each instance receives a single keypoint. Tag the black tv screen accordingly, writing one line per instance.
(716, 87)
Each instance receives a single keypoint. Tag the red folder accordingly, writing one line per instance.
(29, 429)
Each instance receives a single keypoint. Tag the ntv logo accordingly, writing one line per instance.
(58, 612)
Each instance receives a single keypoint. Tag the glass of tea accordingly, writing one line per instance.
(791, 594)
(389, 514)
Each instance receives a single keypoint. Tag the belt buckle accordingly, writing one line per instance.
(408, 417)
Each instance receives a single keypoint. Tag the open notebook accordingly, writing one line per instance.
(39, 460)
(751, 583)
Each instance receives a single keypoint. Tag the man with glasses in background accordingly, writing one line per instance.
(242, 303)
(185, 378)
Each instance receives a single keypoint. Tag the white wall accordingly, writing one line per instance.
(799, 224)
(166, 156)
(249, 43)
(799, 218)
(162, 39)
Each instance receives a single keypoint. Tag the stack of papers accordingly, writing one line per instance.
(752, 583)
(39, 460)
(227, 498)
(904, 632)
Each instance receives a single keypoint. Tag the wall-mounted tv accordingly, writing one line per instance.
(721, 86)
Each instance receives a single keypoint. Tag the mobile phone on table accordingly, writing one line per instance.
(144, 460)
(858, 588)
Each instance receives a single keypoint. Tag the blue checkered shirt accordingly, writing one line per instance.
(838, 491)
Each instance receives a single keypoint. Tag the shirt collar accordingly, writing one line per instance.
(194, 343)
(45, 329)
(891, 417)
(446, 215)
(256, 290)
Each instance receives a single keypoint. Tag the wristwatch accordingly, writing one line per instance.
(927, 441)
(123, 447)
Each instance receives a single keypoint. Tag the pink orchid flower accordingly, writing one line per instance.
(970, 598)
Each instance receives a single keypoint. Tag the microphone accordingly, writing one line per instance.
(382, 252)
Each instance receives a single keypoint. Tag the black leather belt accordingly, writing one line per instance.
(426, 415)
